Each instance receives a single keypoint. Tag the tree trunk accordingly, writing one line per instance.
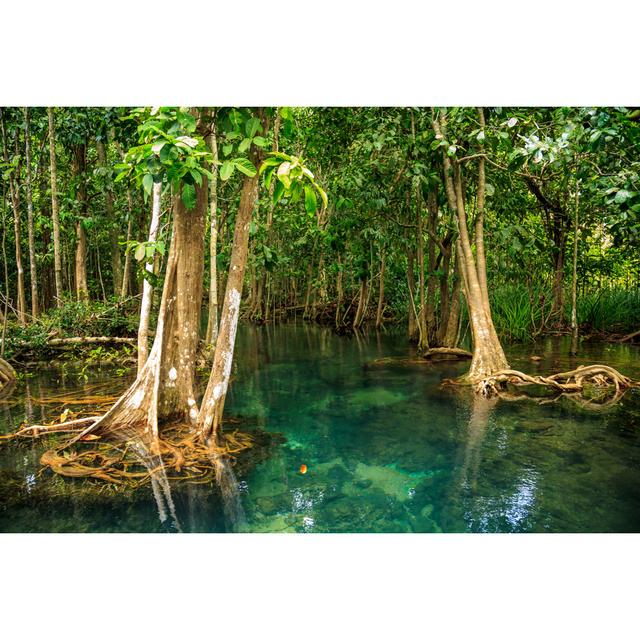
(430, 313)
(339, 292)
(127, 257)
(57, 259)
(147, 288)
(79, 162)
(423, 342)
(15, 203)
(164, 388)
(212, 322)
(212, 405)
(380, 309)
(574, 279)
(116, 271)
(450, 332)
(30, 230)
(359, 317)
(413, 315)
(488, 356)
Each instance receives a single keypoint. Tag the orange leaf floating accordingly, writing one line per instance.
(303, 468)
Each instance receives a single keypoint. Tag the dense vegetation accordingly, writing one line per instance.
(382, 250)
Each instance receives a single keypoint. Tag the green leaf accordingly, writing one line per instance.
(140, 252)
(269, 162)
(268, 176)
(490, 189)
(187, 141)
(278, 192)
(147, 183)
(226, 170)
(244, 145)
(622, 196)
(310, 202)
(245, 166)
(227, 149)
(252, 126)
(261, 142)
(189, 196)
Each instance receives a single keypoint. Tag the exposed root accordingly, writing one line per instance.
(7, 376)
(136, 459)
(565, 383)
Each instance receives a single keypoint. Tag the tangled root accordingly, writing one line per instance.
(565, 383)
(135, 460)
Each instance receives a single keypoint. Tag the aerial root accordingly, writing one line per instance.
(565, 383)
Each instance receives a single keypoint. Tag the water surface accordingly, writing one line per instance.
(387, 449)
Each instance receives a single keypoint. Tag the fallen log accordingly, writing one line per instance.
(62, 342)
(7, 375)
(446, 353)
(630, 336)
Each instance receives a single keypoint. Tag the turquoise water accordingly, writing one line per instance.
(387, 449)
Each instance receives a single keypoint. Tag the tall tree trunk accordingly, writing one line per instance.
(164, 388)
(57, 259)
(116, 267)
(15, 203)
(339, 292)
(147, 288)
(481, 260)
(430, 312)
(5, 315)
(574, 279)
(79, 161)
(30, 230)
(380, 309)
(127, 257)
(212, 322)
(212, 405)
(423, 342)
(450, 331)
(362, 298)
(488, 355)
(413, 313)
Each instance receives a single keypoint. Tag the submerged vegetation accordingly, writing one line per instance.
(467, 227)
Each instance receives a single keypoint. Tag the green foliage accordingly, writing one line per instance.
(169, 149)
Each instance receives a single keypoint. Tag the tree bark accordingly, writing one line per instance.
(79, 162)
(423, 341)
(57, 259)
(164, 388)
(127, 258)
(212, 322)
(488, 355)
(116, 270)
(574, 279)
(212, 405)
(15, 203)
(147, 288)
(380, 309)
(30, 229)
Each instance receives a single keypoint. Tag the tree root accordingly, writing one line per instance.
(565, 383)
(138, 459)
(7, 376)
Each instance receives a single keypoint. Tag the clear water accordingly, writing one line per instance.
(386, 448)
